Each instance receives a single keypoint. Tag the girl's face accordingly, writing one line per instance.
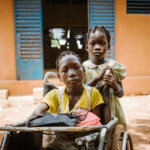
(97, 45)
(71, 71)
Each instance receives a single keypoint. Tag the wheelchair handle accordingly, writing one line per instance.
(53, 74)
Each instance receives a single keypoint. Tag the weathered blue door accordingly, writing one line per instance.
(101, 12)
(28, 39)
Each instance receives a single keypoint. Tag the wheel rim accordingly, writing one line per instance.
(120, 139)
(129, 145)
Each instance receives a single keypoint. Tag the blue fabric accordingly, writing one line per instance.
(119, 93)
(87, 84)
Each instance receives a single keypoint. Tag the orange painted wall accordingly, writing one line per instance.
(132, 48)
(7, 41)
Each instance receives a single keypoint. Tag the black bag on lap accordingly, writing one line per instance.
(48, 119)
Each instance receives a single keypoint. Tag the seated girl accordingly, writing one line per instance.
(74, 95)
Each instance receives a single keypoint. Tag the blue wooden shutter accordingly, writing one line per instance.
(28, 39)
(101, 12)
(138, 6)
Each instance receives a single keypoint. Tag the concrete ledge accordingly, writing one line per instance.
(3, 94)
(20, 87)
(138, 85)
(24, 87)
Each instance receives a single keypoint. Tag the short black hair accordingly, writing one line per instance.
(100, 28)
(65, 53)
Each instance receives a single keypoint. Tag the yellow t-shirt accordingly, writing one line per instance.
(51, 99)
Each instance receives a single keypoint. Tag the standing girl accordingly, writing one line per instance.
(97, 44)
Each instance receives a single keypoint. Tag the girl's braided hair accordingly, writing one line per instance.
(100, 28)
(65, 53)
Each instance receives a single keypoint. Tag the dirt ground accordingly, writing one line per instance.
(136, 108)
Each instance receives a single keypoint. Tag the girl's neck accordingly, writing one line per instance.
(98, 61)
(74, 91)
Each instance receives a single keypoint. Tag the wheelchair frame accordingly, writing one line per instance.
(104, 133)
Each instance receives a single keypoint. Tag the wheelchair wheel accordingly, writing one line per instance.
(129, 143)
(117, 137)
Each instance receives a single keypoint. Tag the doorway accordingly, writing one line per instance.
(64, 24)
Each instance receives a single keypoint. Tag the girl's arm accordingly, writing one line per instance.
(116, 86)
(40, 109)
(96, 111)
(94, 81)
(120, 92)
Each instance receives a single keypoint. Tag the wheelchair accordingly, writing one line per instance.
(108, 136)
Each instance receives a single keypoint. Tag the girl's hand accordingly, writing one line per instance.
(111, 81)
(40, 109)
(98, 78)
(103, 72)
